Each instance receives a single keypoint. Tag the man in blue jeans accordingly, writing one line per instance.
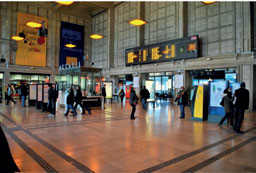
(144, 93)
(70, 102)
(182, 99)
(24, 94)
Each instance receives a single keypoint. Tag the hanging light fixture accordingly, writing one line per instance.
(34, 24)
(137, 22)
(65, 2)
(208, 2)
(96, 36)
(17, 38)
(70, 45)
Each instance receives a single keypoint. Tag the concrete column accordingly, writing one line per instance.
(181, 19)
(53, 56)
(111, 31)
(52, 78)
(187, 79)
(247, 76)
(87, 41)
(6, 77)
(141, 29)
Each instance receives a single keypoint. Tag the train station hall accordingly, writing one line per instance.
(127, 86)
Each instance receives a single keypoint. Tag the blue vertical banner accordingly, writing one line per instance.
(74, 34)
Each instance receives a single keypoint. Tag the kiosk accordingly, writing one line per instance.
(32, 95)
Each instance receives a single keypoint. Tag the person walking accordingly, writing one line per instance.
(228, 106)
(182, 99)
(24, 94)
(103, 92)
(51, 102)
(133, 102)
(242, 103)
(144, 93)
(7, 162)
(70, 102)
(121, 95)
(78, 100)
(9, 95)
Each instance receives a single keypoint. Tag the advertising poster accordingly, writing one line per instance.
(32, 50)
(216, 93)
(46, 93)
(108, 86)
(39, 93)
(150, 86)
(32, 92)
(136, 81)
(178, 80)
(199, 102)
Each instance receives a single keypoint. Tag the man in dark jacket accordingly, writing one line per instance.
(242, 103)
(182, 99)
(70, 102)
(7, 162)
(144, 93)
(103, 92)
(51, 103)
(133, 102)
(78, 100)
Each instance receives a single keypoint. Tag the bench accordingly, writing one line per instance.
(151, 101)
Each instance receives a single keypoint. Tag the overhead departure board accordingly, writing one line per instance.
(183, 48)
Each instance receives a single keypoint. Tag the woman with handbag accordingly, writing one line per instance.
(133, 102)
(228, 106)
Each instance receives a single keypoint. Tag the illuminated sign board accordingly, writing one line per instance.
(183, 48)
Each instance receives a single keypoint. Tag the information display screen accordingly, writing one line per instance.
(166, 51)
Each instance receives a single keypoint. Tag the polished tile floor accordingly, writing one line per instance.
(108, 141)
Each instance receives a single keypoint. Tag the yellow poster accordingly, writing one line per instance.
(199, 101)
(32, 50)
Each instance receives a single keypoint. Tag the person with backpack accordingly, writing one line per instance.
(228, 106)
(144, 93)
(133, 102)
(121, 95)
(9, 95)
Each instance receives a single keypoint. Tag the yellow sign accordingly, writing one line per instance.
(70, 60)
(199, 102)
(31, 51)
